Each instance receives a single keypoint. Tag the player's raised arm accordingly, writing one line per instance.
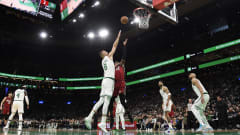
(4, 99)
(123, 60)
(115, 44)
(26, 99)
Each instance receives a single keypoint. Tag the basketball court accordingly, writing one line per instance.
(94, 132)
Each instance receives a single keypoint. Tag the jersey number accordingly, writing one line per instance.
(105, 66)
(18, 94)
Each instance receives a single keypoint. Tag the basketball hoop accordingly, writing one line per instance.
(144, 16)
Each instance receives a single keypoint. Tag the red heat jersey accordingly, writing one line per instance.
(119, 73)
(7, 102)
(119, 80)
(6, 105)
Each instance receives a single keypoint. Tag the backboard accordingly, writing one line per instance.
(167, 10)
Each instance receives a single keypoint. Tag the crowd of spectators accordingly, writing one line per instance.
(221, 83)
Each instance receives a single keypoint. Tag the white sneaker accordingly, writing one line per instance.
(201, 128)
(102, 126)
(169, 131)
(208, 129)
(88, 123)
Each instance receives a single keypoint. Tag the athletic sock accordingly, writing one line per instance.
(104, 118)
(170, 125)
(91, 114)
(96, 107)
(20, 125)
(8, 123)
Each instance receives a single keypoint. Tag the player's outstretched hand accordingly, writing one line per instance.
(0, 108)
(27, 106)
(119, 34)
(125, 42)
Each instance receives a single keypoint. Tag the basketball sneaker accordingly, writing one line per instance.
(88, 123)
(102, 126)
(208, 129)
(201, 128)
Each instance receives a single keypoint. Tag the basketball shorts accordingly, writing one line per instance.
(171, 114)
(107, 87)
(119, 87)
(6, 111)
(18, 106)
(167, 108)
(199, 103)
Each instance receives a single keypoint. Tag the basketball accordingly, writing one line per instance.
(124, 19)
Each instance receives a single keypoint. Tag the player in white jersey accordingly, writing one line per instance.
(120, 111)
(18, 106)
(200, 103)
(107, 86)
(167, 104)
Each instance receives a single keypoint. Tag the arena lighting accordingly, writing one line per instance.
(215, 48)
(80, 79)
(74, 20)
(94, 102)
(40, 102)
(96, 4)
(103, 33)
(221, 61)
(43, 34)
(180, 71)
(239, 78)
(83, 88)
(156, 65)
(221, 46)
(91, 35)
(21, 76)
(176, 72)
(81, 15)
(69, 102)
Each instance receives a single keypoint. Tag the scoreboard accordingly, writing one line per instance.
(35, 7)
(68, 6)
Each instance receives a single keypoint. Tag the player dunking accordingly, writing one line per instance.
(18, 106)
(167, 104)
(200, 103)
(107, 86)
(5, 107)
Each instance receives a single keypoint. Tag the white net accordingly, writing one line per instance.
(144, 17)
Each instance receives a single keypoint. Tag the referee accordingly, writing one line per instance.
(190, 117)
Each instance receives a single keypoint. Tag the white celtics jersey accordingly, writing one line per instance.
(197, 91)
(108, 67)
(164, 95)
(19, 95)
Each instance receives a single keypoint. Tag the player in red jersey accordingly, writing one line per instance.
(120, 85)
(5, 106)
